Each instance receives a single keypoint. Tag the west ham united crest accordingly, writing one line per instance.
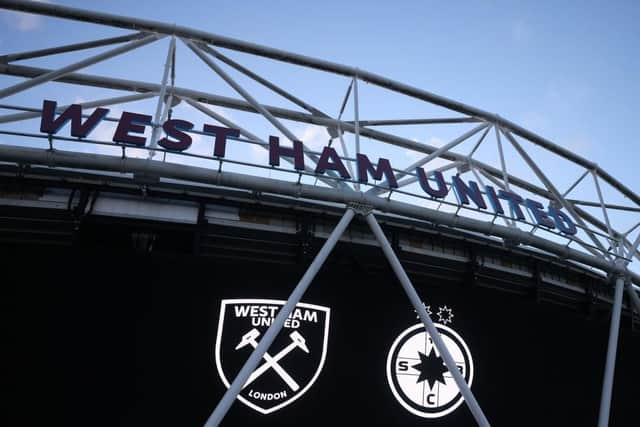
(418, 376)
(290, 366)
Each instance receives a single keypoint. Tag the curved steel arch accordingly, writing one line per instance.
(596, 232)
(280, 55)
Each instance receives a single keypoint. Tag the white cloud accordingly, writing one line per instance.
(197, 146)
(314, 137)
(23, 21)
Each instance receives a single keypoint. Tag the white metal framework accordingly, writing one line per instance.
(605, 239)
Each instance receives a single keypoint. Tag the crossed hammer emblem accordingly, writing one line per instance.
(271, 362)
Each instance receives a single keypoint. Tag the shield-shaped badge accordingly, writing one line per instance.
(292, 363)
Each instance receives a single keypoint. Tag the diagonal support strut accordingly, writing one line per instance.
(409, 289)
(252, 363)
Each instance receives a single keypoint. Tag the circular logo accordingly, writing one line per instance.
(417, 375)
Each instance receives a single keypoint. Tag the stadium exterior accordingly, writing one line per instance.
(190, 281)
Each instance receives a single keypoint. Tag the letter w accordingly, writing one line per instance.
(73, 113)
(242, 310)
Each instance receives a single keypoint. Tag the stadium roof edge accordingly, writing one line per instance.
(302, 60)
(58, 158)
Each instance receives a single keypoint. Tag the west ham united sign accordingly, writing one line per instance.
(417, 375)
(293, 361)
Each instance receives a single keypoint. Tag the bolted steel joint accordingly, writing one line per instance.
(360, 208)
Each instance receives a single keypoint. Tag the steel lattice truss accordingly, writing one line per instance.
(208, 78)
(481, 146)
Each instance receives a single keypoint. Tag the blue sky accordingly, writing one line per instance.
(565, 70)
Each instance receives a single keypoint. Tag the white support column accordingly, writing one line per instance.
(609, 370)
(469, 398)
(503, 166)
(163, 89)
(356, 114)
(602, 205)
(252, 362)
(345, 153)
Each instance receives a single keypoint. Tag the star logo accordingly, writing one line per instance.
(431, 368)
(427, 307)
(445, 315)
(417, 375)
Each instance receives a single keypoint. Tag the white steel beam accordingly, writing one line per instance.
(56, 74)
(606, 205)
(163, 89)
(549, 185)
(626, 233)
(508, 221)
(503, 165)
(241, 91)
(253, 102)
(306, 61)
(395, 122)
(356, 113)
(345, 99)
(139, 86)
(575, 183)
(412, 179)
(602, 205)
(437, 153)
(70, 47)
(610, 365)
(90, 104)
(228, 123)
(443, 149)
(266, 83)
(416, 301)
(634, 247)
(475, 147)
(345, 153)
(77, 160)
